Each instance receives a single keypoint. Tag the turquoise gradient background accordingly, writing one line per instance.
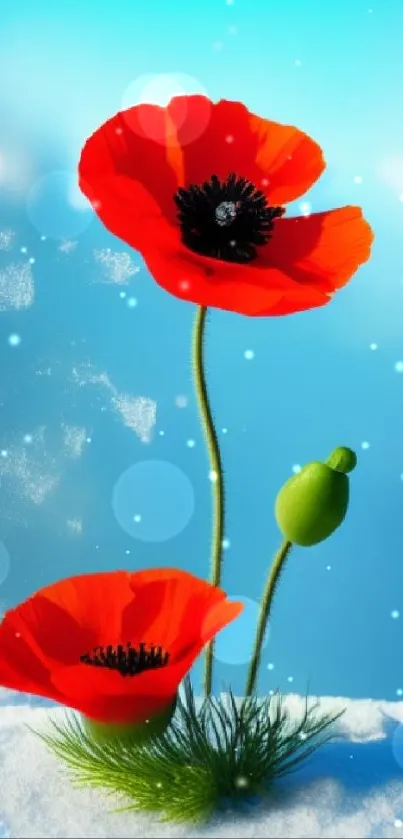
(310, 382)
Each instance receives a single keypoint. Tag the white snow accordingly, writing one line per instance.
(117, 267)
(17, 287)
(138, 413)
(352, 787)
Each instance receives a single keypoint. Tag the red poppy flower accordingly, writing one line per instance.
(198, 188)
(114, 646)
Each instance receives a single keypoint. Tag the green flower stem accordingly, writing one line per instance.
(215, 468)
(265, 609)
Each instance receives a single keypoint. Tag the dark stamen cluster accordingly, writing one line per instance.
(127, 660)
(225, 220)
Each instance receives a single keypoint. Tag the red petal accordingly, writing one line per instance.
(135, 153)
(122, 709)
(66, 619)
(304, 262)
(323, 250)
(95, 601)
(54, 635)
(20, 668)
(217, 284)
(105, 694)
(280, 160)
(179, 604)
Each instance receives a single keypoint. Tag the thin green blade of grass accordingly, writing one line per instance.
(185, 773)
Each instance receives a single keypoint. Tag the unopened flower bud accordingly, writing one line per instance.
(313, 503)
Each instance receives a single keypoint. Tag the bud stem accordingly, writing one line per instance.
(265, 609)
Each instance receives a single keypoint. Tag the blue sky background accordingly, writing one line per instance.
(316, 380)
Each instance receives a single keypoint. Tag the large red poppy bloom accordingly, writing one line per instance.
(199, 187)
(115, 645)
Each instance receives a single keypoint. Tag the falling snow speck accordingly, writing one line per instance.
(399, 366)
(357, 179)
(328, 567)
(161, 433)
(122, 294)
(226, 544)
(270, 666)
(399, 692)
(290, 678)
(249, 354)
(296, 468)
(373, 346)
(127, 552)
(190, 444)
(365, 444)
(132, 303)
(241, 782)
(14, 340)
(27, 439)
(224, 430)
(395, 614)
(213, 476)
(137, 518)
(4, 453)
(24, 250)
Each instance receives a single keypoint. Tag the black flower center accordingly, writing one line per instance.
(127, 660)
(225, 220)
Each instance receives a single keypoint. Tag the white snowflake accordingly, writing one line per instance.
(7, 238)
(17, 290)
(117, 267)
(67, 246)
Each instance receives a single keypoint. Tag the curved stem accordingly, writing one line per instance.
(265, 609)
(216, 471)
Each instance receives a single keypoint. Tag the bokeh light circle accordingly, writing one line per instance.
(14, 340)
(4, 562)
(159, 89)
(153, 500)
(57, 208)
(234, 645)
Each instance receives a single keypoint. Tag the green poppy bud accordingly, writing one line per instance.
(313, 503)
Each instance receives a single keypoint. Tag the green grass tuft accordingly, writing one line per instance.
(222, 751)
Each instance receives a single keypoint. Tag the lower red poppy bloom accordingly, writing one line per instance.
(114, 646)
(199, 187)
